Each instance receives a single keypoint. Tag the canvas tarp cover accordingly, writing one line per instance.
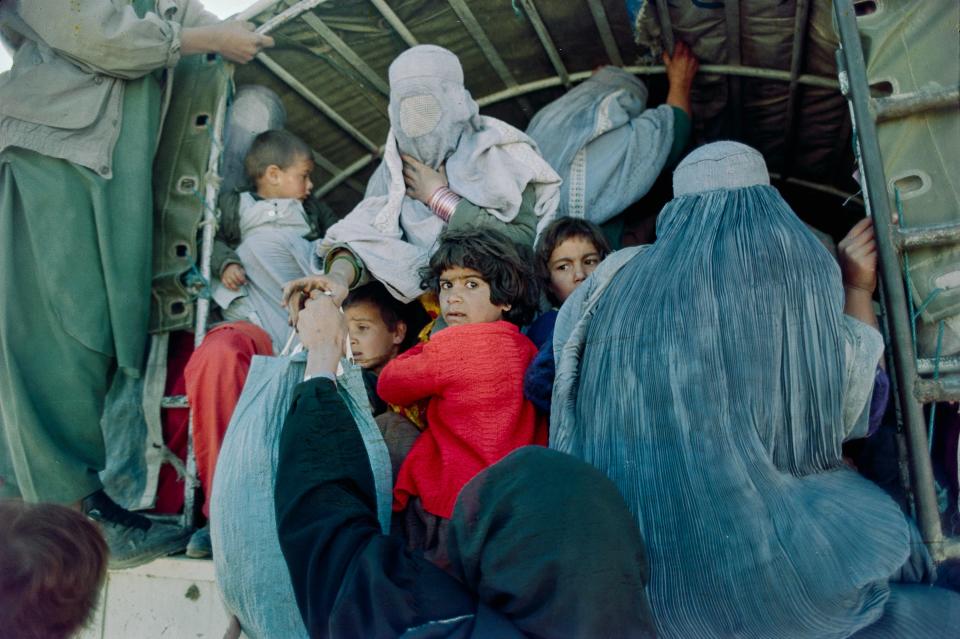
(909, 47)
(821, 125)
(766, 40)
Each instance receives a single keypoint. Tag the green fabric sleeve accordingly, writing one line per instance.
(227, 237)
(681, 135)
(522, 229)
(320, 217)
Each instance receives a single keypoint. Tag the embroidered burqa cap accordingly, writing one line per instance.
(721, 165)
(711, 387)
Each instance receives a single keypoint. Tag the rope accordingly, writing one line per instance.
(915, 316)
(936, 376)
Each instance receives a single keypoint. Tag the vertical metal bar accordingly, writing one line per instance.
(735, 98)
(801, 25)
(208, 224)
(606, 34)
(395, 22)
(348, 54)
(666, 25)
(486, 47)
(315, 100)
(546, 41)
(853, 82)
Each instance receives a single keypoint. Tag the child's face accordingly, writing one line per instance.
(372, 341)
(292, 182)
(465, 298)
(570, 263)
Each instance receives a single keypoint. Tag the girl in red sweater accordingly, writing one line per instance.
(472, 374)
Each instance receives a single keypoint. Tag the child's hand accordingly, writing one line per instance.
(857, 254)
(420, 179)
(233, 277)
(297, 291)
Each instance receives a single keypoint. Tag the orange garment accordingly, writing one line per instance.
(477, 414)
(215, 376)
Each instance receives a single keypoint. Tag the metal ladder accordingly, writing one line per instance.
(914, 378)
(208, 226)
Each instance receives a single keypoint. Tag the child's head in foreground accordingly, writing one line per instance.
(568, 250)
(481, 276)
(279, 165)
(380, 326)
(53, 561)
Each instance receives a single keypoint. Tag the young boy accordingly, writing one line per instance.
(271, 229)
(380, 328)
(379, 325)
(472, 374)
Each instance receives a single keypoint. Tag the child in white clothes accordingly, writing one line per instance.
(272, 225)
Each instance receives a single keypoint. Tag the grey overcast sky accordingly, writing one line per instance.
(222, 8)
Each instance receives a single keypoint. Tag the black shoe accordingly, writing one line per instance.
(199, 546)
(133, 539)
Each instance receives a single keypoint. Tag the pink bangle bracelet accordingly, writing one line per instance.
(443, 203)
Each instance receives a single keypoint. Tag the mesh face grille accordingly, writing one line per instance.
(419, 115)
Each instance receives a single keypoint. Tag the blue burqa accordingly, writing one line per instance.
(714, 379)
(604, 142)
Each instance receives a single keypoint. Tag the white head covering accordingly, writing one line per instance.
(434, 119)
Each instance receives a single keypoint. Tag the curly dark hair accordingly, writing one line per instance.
(555, 234)
(504, 265)
(392, 311)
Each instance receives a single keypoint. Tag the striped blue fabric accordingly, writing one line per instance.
(710, 387)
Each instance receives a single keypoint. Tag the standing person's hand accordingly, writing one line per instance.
(857, 254)
(681, 69)
(234, 40)
(421, 180)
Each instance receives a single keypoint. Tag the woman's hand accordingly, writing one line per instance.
(234, 276)
(681, 69)
(297, 291)
(421, 180)
(323, 332)
(234, 40)
(857, 254)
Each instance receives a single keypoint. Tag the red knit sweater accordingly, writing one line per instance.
(473, 377)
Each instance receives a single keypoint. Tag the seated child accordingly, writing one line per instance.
(380, 328)
(566, 253)
(568, 250)
(53, 562)
(471, 372)
(269, 228)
